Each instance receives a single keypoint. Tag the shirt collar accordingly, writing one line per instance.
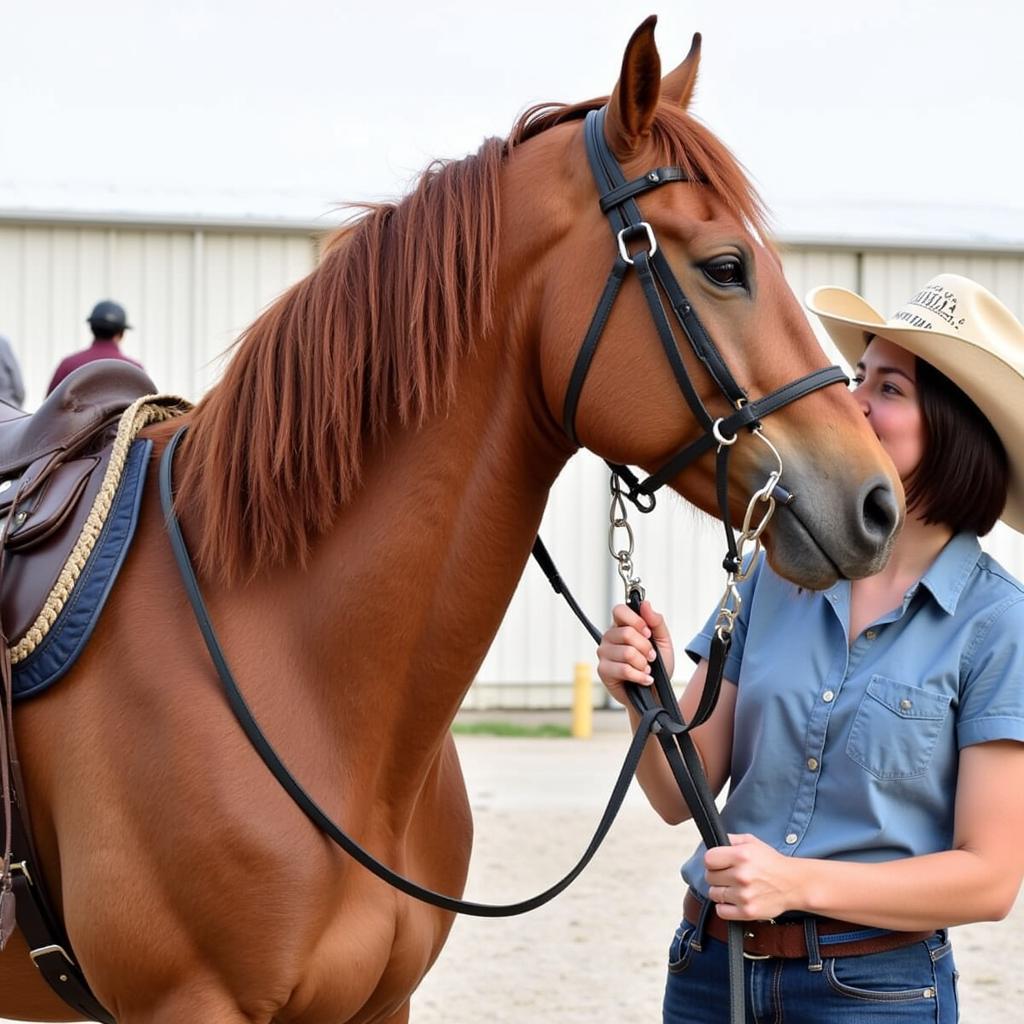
(945, 578)
(948, 574)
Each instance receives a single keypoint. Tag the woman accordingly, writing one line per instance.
(873, 733)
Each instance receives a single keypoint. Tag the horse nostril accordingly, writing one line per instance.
(880, 512)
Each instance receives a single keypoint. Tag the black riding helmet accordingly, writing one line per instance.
(109, 316)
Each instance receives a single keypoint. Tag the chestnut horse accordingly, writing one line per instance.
(361, 492)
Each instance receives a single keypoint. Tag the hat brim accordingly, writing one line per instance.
(103, 323)
(994, 385)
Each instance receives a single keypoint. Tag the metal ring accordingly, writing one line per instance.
(624, 252)
(724, 441)
(743, 573)
(617, 510)
(759, 433)
(620, 524)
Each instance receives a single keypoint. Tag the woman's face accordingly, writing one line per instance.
(886, 388)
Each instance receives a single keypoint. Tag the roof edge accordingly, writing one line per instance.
(173, 221)
(328, 222)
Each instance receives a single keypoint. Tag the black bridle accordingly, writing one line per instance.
(618, 203)
(660, 716)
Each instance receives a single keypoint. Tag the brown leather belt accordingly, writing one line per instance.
(788, 939)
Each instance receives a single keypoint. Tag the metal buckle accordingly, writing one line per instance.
(754, 956)
(46, 951)
(651, 240)
(22, 866)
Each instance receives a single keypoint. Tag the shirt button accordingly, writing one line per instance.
(828, 696)
(871, 634)
(791, 838)
(906, 705)
(812, 763)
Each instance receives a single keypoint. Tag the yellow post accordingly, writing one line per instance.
(582, 702)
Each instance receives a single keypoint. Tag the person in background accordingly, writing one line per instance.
(872, 733)
(108, 321)
(12, 387)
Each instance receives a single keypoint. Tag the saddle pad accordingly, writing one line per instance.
(67, 636)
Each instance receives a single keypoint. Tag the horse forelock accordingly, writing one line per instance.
(376, 332)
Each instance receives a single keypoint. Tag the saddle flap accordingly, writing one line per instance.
(38, 515)
(34, 563)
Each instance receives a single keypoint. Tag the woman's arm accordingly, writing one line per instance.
(977, 880)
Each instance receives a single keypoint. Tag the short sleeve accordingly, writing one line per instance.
(700, 646)
(992, 694)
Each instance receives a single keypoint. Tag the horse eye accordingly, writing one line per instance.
(725, 271)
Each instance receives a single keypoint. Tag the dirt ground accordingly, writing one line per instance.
(597, 953)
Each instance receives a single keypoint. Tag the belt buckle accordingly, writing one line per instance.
(754, 956)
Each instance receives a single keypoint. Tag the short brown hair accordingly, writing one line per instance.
(964, 473)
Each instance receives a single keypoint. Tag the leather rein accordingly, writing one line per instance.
(659, 712)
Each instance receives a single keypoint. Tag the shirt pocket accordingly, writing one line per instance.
(894, 733)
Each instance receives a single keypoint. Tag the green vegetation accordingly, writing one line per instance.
(543, 731)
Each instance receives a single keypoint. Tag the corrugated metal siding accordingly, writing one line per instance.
(188, 293)
(191, 292)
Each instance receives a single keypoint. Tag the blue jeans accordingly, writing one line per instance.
(911, 985)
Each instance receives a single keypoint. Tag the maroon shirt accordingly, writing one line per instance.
(99, 349)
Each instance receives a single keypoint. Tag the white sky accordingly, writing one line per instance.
(837, 109)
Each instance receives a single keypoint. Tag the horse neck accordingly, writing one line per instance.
(411, 584)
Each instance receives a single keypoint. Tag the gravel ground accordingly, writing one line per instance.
(596, 954)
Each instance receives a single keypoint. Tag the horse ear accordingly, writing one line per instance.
(678, 85)
(633, 101)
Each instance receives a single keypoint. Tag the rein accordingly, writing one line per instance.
(659, 712)
(307, 805)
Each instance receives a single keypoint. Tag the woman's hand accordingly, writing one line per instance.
(750, 880)
(627, 649)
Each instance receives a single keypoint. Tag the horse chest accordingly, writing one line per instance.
(367, 965)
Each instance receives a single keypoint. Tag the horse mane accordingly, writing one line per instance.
(374, 333)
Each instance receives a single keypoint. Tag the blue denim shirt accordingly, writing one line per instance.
(851, 752)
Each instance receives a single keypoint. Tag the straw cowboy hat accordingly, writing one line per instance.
(965, 332)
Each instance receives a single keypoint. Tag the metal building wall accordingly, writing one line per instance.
(188, 292)
(190, 289)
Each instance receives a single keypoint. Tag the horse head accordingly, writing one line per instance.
(846, 501)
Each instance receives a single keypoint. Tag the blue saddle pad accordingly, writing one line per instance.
(68, 635)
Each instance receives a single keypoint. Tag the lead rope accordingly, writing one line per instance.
(676, 742)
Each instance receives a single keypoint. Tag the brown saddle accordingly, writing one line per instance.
(52, 464)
